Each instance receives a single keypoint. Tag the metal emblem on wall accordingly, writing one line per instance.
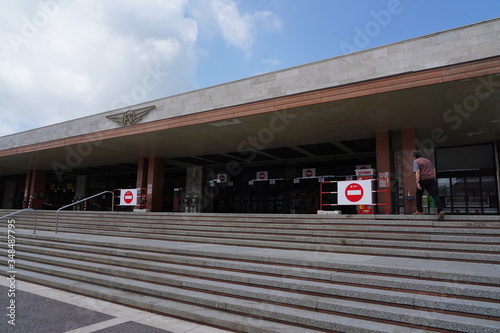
(130, 117)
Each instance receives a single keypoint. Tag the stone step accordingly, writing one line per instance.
(307, 273)
(265, 303)
(354, 224)
(257, 273)
(263, 219)
(422, 268)
(195, 277)
(343, 246)
(220, 318)
(459, 243)
(486, 235)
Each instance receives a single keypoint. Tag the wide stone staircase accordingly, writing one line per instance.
(274, 273)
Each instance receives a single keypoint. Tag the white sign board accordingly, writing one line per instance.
(262, 175)
(222, 178)
(356, 192)
(383, 179)
(128, 197)
(308, 173)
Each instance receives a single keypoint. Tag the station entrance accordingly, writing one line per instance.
(267, 197)
(285, 188)
(467, 180)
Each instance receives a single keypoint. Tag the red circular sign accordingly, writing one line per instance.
(222, 178)
(262, 175)
(309, 173)
(128, 197)
(354, 192)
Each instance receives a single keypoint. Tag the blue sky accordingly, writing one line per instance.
(65, 59)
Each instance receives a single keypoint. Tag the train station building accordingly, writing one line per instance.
(266, 144)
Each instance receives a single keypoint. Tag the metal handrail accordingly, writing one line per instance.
(20, 211)
(85, 199)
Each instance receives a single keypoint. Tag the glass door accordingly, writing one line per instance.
(489, 195)
(469, 195)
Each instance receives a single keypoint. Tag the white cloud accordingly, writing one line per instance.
(236, 29)
(240, 30)
(271, 62)
(270, 21)
(61, 59)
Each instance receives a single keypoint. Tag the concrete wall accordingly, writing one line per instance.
(459, 45)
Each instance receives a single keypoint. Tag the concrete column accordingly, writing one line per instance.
(384, 167)
(194, 187)
(35, 186)
(156, 184)
(142, 173)
(408, 136)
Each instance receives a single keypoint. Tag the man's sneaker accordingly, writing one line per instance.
(418, 213)
(441, 215)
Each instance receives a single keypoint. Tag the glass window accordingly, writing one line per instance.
(458, 195)
(465, 158)
(445, 193)
(489, 193)
(474, 200)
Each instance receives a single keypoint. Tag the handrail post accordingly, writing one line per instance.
(79, 201)
(20, 211)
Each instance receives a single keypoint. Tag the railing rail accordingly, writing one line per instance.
(80, 201)
(33, 198)
(386, 191)
(20, 211)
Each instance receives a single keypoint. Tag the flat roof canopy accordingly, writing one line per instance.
(445, 112)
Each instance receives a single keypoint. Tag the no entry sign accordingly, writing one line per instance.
(262, 175)
(128, 197)
(308, 173)
(356, 192)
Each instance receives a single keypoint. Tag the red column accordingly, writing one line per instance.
(142, 173)
(384, 167)
(35, 186)
(408, 137)
(156, 184)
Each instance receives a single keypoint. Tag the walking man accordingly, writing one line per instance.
(425, 174)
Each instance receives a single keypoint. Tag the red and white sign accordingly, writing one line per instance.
(128, 197)
(365, 172)
(222, 178)
(358, 192)
(308, 173)
(383, 179)
(262, 175)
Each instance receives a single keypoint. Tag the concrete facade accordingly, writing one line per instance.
(375, 107)
(460, 45)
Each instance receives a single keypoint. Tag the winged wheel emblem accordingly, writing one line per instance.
(130, 117)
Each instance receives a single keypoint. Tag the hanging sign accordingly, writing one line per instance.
(262, 175)
(222, 178)
(308, 173)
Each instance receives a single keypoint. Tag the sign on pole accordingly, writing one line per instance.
(128, 197)
(356, 192)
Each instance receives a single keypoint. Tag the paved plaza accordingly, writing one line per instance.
(40, 309)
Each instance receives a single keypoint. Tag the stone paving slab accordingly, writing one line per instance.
(35, 313)
(131, 327)
(41, 309)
